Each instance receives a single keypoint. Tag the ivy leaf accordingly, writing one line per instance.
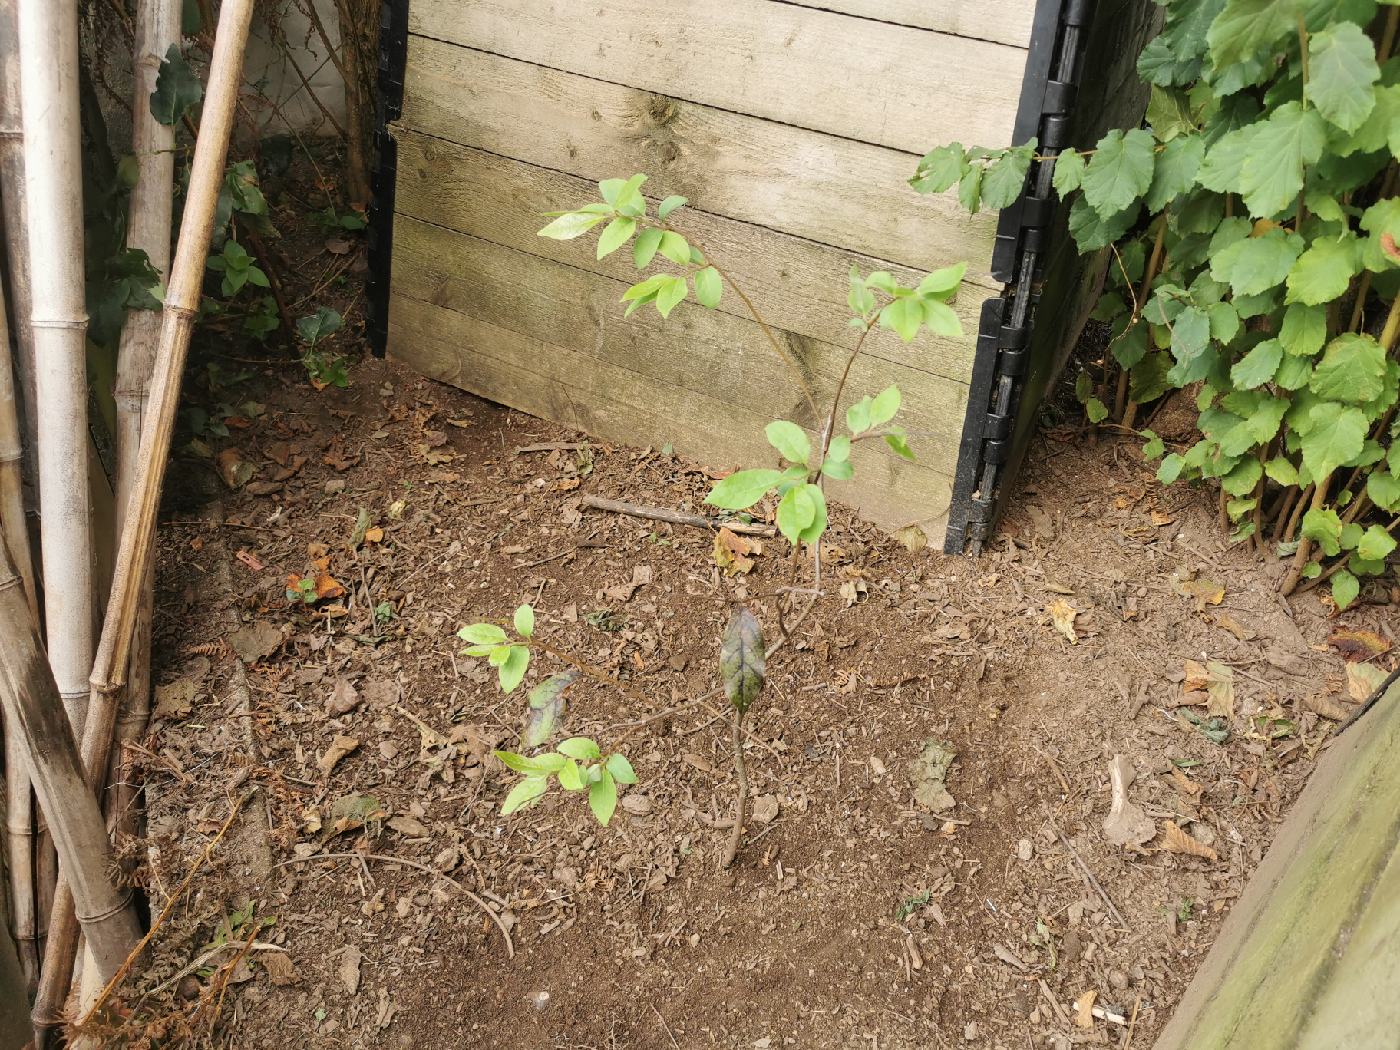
(743, 489)
(1256, 264)
(177, 88)
(940, 168)
(1258, 366)
(1176, 170)
(1351, 369)
(1004, 179)
(1345, 588)
(1304, 330)
(1336, 434)
(1323, 272)
(1120, 171)
(1245, 28)
(1289, 140)
(1342, 74)
(789, 439)
(742, 660)
(1069, 172)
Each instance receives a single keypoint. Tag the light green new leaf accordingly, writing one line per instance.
(1351, 369)
(524, 794)
(1170, 468)
(670, 295)
(708, 287)
(858, 416)
(1324, 527)
(789, 439)
(1304, 330)
(512, 671)
(1256, 264)
(903, 316)
(542, 766)
(1224, 322)
(618, 233)
(1120, 171)
(525, 621)
(796, 512)
(940, 319)
(602, 798)
(482, 634)
(1258, 366)
(580, 748)
(621, 769)
(1289, 140)
(1345, 588)
(1245, 29)
(885, 405)
(1323, 272)
(839, 449)
(1153, 446)
(571, 777)
(970, 189)
(943, 282)
(1175, 172)
(1281, 471)
(675, 247)
(813, 532)
(1342, 74)
(1376, 544)
(669, 205)
(900, 446)
(1095, 410)
(743, 489)
(629, 197)
(570, 225)
(838, 469)
(1069, 172)
(1242, 480)
(1336, 435)
(644, 247)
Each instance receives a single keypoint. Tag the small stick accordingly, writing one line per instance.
(510, 948)
(676, 517)
(1089, 876)
(736, 833)
(554, 446)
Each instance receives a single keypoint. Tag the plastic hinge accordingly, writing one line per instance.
(997, 427)
(1077, 12)
(1054, 133)
(1037, 211)
(996, 451)
(1013, 338)
(1013, 362)
(1059, 96)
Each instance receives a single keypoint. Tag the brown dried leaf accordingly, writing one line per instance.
(1205, 592)
(1175, 840)
(1126, 824)
(1229, 623)
(350, 969)
(341, 746)
(233, 468)
(1327, 707)
(732, 553)
(1358, 645)
(1062, 615)
(1363, 680)
(343, 699)
(1084, 1009)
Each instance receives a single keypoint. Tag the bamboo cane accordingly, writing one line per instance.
(19, 809)
(48, 35)
(148, 229)
(134, 551)
(30, 698)
(16, 227)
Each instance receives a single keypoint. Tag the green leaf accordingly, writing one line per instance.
(1335, 435)
(813, 532)
(1004, 179)
(669, 205)
(743, 489)
(1282, 471)
(528, 766)
(796, 511)
(1190, 333)
(621, 769)
(839, 450)
(1096, 410)
(1120, 171)
(1324, 527)
(524, 794)
(1153, 446)
(900, 445)
(571, 777)
(1342, 74)
(602, 798)
(838, 469)
(580, 748)
(940, 319)
(858, 416)
(1169, 114)
(1246, 28)
(1243, 478)
(903, 316)
(177, 89)
(1304, 330)
(1323, 272)
(1258, 366)
(1222, 167)
(570, 225)
(546, 708)
(512, 671)
(669, 296)
(942, 283)
(482, 634)
(970, 188)
(1175, 171)
(618, 233)
(1351, 369)
(525, 621)
(1224, 322)
(1255, 264)
(1384, 489)
(742, 660)
(885, 405)
(1376, 544)
(1069, 172)
(1294, 373)
(1170, 468)
(1345, 588)
(675, 247)
(629, 197)
(940, 168)
(1093, 231)
(644, 247)
(789, 439)
(1289, 140)
(708, 287)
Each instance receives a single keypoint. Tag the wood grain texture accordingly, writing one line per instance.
(1310, 956)
(1004, 21)
(827, 189)
(798, 285)
(550, 339)
(872, 81)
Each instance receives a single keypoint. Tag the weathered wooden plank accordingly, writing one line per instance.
(614, 404)
(1309, 957)
(798, 285)
(826, 189)
(695, 353)
(1004, 21)
(873, 81)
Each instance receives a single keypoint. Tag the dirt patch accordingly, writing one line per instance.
(356, 739)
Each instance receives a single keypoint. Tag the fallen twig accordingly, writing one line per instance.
(554, 446)
(676, 517)
(505, 933)
(1088, 875)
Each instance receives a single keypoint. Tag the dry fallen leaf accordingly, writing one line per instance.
(1161, 518)
(641, 576)
(1211, 684)
(732, 553)
(1175, 840)
(233, 468)
(912, 538)
(1184, 784)
(1358, 645)
(1242, 632)
(1205, 592)
(1062, 615)
(1084, 1009)
(1327, 707)
(1363, 680)
(343, 698)
(341, 746)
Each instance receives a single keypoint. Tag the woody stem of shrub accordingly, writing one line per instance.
(741, 774)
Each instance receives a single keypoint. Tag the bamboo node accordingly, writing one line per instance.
(70, 325)
(123, 903)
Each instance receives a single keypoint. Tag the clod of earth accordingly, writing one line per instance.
(929, 773)
(1126, 824)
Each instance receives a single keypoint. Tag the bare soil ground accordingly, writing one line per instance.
(408, 912)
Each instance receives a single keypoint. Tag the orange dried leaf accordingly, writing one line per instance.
(1062, 615)
(1175, 840)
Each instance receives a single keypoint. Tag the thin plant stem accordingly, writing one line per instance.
(741, 773)
(1303, 555)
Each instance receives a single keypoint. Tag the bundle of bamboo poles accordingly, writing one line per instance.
(61, 699)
